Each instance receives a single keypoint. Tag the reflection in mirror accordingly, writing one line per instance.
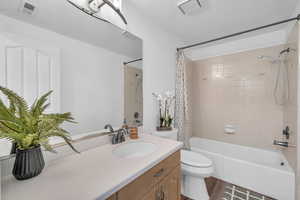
(133, 98)
(78, 57)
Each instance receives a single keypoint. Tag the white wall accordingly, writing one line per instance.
(159, 64)
(92, 87)
(91, 77)
(159, 53)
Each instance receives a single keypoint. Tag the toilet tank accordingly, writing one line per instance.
(172, 135)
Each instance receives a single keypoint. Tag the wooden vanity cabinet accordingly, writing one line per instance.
(162, 182)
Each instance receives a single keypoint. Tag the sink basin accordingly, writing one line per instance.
(134, 150)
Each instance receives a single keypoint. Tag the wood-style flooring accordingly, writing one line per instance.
(211, 184)
(217, 187)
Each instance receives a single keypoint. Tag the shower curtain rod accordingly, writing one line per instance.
(132, 61)
(239, 33)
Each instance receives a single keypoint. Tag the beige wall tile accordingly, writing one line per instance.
(237, 90)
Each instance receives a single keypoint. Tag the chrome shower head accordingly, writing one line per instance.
(287, 51)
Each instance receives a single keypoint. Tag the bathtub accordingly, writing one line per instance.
(263, 171)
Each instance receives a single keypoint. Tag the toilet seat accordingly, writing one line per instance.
(194, 159)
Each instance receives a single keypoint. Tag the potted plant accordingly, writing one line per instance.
(165, 102)
(29, 129)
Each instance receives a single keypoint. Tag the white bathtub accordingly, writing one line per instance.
(256, 169)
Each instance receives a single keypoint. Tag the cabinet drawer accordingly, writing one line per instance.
(143, 184)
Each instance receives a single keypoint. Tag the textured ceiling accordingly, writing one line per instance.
(217, 17)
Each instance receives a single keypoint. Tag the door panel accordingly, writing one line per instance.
(30, 68)
(30, 76)
(14, 69)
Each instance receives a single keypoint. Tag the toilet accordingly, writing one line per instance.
(194, 167)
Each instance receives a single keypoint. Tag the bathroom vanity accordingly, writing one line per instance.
(161, 182)
(103, 173)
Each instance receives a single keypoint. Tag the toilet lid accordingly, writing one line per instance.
(195, 159)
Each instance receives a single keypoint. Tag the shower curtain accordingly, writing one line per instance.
(182, 107)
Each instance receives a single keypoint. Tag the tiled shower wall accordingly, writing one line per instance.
(237, 91)
(290, 109)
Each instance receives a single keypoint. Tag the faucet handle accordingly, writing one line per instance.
(286, 132)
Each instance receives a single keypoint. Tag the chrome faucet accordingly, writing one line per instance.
(108, 126)
(118, 136)
(280, 143)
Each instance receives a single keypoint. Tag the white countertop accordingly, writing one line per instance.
(93, 174)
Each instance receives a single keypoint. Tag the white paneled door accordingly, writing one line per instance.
(30, 68)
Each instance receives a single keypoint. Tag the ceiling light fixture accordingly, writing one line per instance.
(106, 10)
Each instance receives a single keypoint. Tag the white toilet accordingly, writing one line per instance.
(195, 167)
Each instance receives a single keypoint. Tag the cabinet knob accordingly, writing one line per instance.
(159, 173)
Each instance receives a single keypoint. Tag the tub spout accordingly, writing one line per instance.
(280, 143)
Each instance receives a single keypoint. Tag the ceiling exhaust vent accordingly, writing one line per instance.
(28, 7)
(189, 7)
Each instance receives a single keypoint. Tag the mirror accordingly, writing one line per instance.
(85, 61)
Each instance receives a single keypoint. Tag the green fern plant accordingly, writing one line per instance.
(29, 127)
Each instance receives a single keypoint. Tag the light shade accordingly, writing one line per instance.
(107, 10)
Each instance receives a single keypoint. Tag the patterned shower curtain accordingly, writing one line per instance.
(182, 107)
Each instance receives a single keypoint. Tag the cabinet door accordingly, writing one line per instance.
(170, 186)
(137, 189)
(152, 195)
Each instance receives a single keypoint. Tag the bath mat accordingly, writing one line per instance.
(226, 191)
(232, 192)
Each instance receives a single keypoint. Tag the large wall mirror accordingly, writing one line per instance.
(94, 68)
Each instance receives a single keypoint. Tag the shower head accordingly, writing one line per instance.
(287, 50)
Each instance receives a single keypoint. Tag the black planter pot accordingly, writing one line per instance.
(13, 149)
(29, 163)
